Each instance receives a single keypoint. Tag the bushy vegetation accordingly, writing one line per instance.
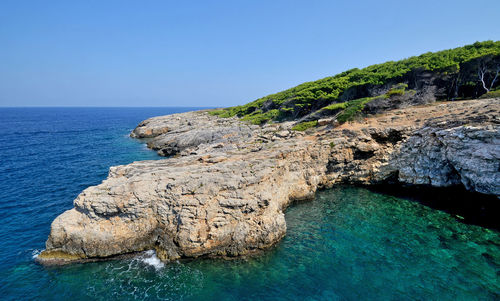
(336, 92)
(305, 125)
(353, 108)
(259, 117)
(397, 90)
(336, 106)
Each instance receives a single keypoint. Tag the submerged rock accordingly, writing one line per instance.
(225, 191)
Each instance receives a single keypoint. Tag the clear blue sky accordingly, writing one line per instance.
(212, 53)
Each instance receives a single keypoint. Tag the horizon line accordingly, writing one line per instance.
(41, 107)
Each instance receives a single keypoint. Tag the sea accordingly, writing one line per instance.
(350, 243)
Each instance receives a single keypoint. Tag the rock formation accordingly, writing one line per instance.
(226, 184)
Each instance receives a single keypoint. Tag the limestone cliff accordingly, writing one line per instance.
(225, 187)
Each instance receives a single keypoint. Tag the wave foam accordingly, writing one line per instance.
(35, 253)
(149, 257)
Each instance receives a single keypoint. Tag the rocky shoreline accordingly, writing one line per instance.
(226, 184)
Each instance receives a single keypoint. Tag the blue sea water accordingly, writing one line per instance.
(348, 244)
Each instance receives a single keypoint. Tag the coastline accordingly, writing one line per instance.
(226, 184)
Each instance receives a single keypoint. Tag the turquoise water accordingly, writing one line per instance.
(348, 244)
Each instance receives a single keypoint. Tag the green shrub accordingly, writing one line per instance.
(305, 125)
(394, 92)
(258, 117)
(398, 89)
(353, 109)
(336, 106)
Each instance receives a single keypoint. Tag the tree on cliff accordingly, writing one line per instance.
(488, 69)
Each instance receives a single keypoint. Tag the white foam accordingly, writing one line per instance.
(149, 257)
(35, 253)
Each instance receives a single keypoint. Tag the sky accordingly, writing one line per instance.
(212, 53)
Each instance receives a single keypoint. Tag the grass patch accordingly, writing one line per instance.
(224, 113)
(492, 94)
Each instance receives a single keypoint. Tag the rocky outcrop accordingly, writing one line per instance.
(192, 130)
(225, 187)
(194, 205)
(463, 155)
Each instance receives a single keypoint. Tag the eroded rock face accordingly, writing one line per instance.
(225, 192)
(192, 206)
(467, 155)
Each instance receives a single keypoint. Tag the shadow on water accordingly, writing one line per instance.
(467, 207)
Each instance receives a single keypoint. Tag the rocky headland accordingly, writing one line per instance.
(226, 183)
(231, 173)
